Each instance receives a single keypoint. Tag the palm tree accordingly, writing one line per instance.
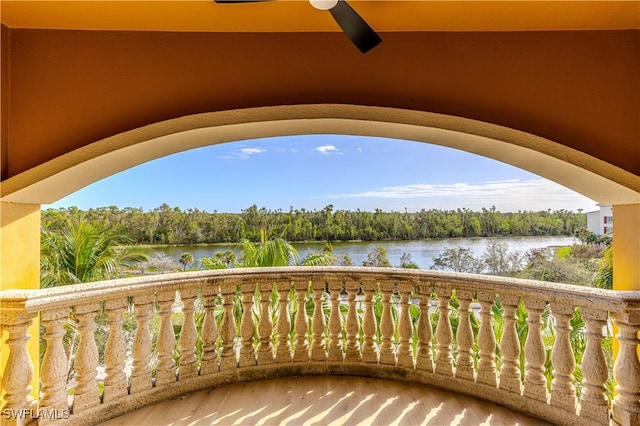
(228, 257)
(83, 252)
(185, 259)
(604, 277)
(276, 252)
(213, 263)
(77, 252)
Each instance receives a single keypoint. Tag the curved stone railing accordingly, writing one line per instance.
(172, 334)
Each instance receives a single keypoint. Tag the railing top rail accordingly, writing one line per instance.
(52, 298)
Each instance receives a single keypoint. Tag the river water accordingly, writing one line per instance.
(422, 251)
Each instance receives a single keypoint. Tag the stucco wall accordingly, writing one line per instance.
(71, 88)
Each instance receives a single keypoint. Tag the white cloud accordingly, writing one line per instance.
(327, 149)
(506, 195)
(244, 153)
(251, 151)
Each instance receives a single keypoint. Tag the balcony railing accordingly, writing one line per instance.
(509, 341)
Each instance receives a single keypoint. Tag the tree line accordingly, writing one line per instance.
(172, 225)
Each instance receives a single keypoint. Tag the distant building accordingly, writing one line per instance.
(600, 222)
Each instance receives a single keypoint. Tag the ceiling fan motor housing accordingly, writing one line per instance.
(323, 4)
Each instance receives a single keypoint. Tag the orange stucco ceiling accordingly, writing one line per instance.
(300, 16)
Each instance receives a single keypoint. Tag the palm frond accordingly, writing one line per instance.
(319, 259)
(84, 252)
(213, 263)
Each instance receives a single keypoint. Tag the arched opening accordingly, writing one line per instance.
(313, 171)
(292, 179)
(582, 173)
(48, 182)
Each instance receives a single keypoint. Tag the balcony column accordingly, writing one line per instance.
(166, 343)
(405, 326)
(53, 396)
(228, 327)
(115, 382)
(20, 269)
(283, 348)
(594, 403)
(335, 322)
(424, 359)
(510, 379)
(626, 276)
(369, 326)
(626, 371)
(209, 358)
(86, 394)
(265, 325)
(247, 325)
(535, 383)
(301, 324)
(486, 340)
(444, 333)
(188, 335)
(141, 350)
(464, 337)
(387, 353)
(563, 393)
(626, 250)
(18, 371)
(318, 346)
(352, 348)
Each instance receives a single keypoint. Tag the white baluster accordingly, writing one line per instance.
(265, 326)
(18, 372)
(387, 353)
(444, 364)
(510, 377)
(166, 343)
(53, 371)
(626, 404)
(335, 323)
(424, 359)
(301, 347)
(86, 394)
(464, 337)
(247, 326)
(369, 345)
(115, 381)
(405, 327)
(535, 383)
(209, 358)
(141, 350)
(283, 349)
(352, 348)
(188, 335)
(228, 327)
(486, 340)
(318, 346)
(563, 393)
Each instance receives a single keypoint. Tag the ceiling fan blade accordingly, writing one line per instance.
(239, 1)
(358, 31)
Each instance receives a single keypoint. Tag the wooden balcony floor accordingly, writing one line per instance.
(312, 400)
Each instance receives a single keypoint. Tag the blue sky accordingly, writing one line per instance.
(312, 171)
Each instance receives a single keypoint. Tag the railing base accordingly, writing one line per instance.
(518, 403)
